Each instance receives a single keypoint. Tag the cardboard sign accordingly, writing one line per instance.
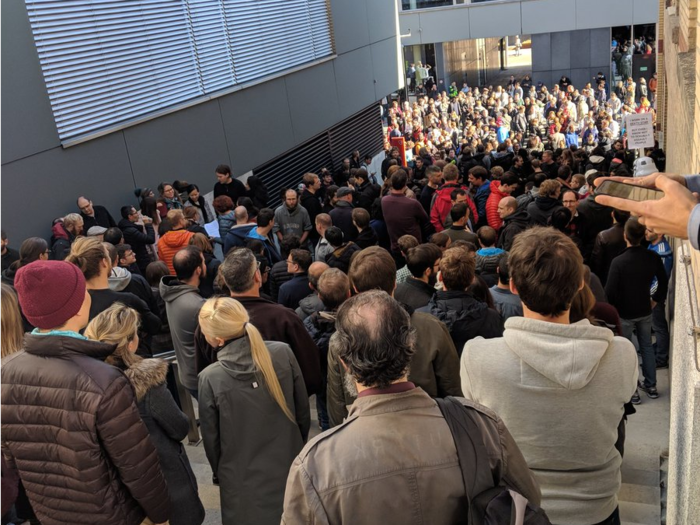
(640, 131)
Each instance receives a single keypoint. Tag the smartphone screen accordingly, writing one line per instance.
(628, 191)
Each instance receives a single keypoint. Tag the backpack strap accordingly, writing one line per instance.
(472, 454)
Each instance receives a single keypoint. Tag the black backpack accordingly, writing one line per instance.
(488, 504)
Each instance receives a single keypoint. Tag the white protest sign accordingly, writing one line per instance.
(640, 131)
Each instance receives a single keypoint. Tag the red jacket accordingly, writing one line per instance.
(443, 204)
(492, 217)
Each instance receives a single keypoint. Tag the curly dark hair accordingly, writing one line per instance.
(376, 353)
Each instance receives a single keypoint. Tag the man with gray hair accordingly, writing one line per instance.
(240, 273)
(376, 467)
(433, 367)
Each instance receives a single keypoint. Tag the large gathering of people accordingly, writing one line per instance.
(482, 266)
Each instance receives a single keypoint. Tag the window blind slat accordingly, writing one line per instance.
(110, 61)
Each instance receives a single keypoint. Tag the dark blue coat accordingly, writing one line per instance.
(294, 291)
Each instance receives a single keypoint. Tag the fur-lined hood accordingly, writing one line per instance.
(146, 374)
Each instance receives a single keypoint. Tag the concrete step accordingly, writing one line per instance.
(642, 513)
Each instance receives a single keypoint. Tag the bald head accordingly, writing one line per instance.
(315, 271)
(507, 206)
(241, 214)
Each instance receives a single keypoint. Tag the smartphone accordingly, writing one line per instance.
(628, 191)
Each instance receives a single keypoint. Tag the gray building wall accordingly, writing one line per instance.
(41, 180)
(577, 54)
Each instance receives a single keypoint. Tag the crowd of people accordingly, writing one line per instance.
(483, 268)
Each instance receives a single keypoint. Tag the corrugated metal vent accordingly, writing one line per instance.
(362, 131)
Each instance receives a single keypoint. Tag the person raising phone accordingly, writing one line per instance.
(676, 214)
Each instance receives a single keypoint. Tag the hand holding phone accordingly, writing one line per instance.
(666, 211)
(623, 190)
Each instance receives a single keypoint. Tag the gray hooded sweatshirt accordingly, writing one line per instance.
(119, 278)
(560, 390)
(182, 305)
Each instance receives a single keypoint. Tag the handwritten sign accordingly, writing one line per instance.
(640, 131)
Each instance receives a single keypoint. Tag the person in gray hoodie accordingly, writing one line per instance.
(182, 304)
(560, 388)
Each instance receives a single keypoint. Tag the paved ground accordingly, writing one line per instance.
(647, 438)
(518, 66)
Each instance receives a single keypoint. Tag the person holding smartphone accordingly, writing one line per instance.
(676, 214)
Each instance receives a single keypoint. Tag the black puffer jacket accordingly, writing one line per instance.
(464, 316)
(71, 427)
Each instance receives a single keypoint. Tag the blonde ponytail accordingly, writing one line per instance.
(225, 318)
(117, 325)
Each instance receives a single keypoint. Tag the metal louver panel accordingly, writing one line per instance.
(270, 35)
(362, 131)
(107, 62)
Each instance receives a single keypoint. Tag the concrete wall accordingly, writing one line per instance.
(521, 17)
(41, 179)
(680, 110)
(577, 54)
(683, 497)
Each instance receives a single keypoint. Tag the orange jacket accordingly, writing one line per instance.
(171, 243)
(494, 220)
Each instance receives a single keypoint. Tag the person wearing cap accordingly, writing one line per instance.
(94, 215)
(70, 423)
(341, 215)
(97, 231)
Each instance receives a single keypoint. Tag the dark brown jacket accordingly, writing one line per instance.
(394, 460)
(71, 427)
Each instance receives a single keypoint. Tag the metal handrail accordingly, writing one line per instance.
(193, 437)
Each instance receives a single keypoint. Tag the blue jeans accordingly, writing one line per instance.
(642, 325)
(660, 327)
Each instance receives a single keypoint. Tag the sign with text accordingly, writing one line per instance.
(640, 131)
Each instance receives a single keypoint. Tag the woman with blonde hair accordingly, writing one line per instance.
(167, 425)
(253, 411)
(12, 328)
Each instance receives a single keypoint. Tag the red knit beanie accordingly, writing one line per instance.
(50, 292)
